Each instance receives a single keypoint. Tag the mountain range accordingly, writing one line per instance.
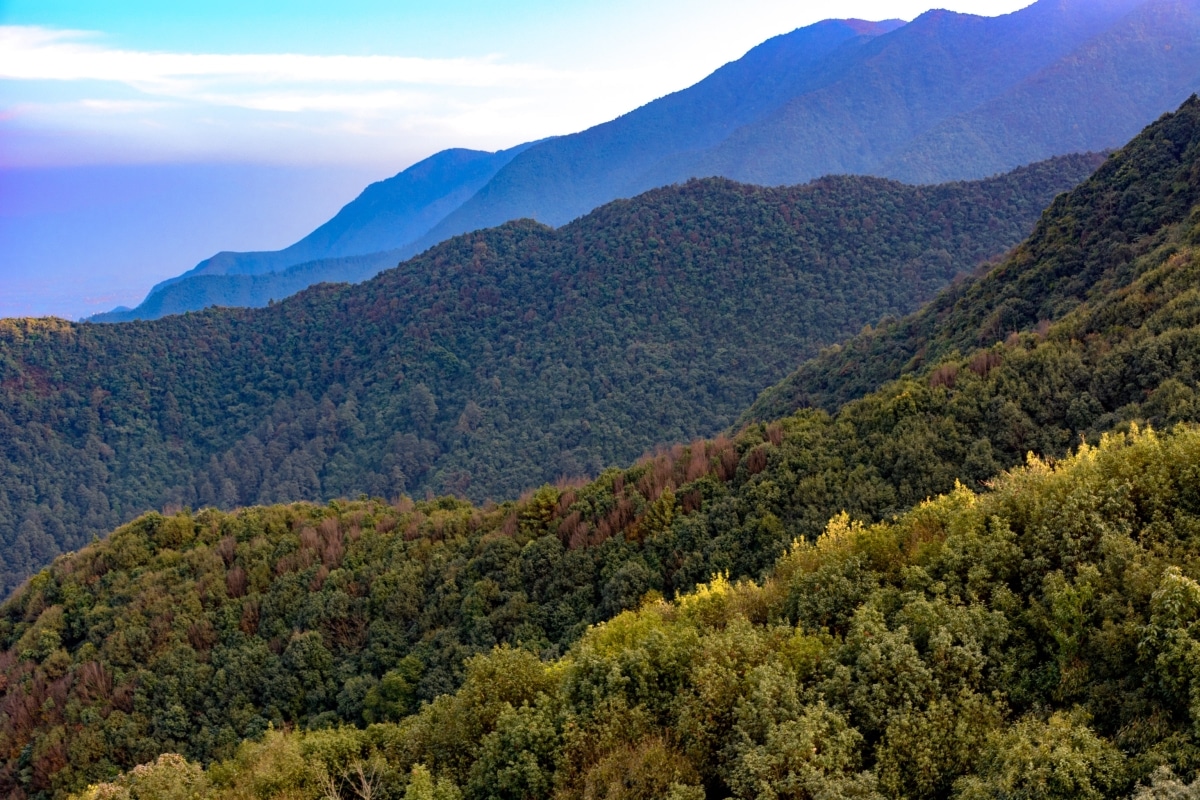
(945, 97)
(847, 487)
(493, 362)
(362, 239)
(891, 596)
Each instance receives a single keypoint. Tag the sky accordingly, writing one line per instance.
(139, 137)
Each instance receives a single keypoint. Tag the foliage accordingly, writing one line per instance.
(168, 777)
(192, 632)
(495, 362)
(1038, 640)
(1086, 246)
(1012, 647)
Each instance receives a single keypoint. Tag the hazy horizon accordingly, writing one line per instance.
(138, 140)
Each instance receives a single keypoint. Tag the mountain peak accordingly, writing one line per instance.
(948, 96)
(868, 28)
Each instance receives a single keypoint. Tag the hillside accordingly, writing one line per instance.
(980, 646)
(362, 239)
(1038, 635)
(565, 178)
(952, 96)
(1084, 247)
(1156, 47)
(253, 290)
(492, 363)
(700, 117)
(946, 97)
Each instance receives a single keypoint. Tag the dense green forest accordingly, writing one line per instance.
(492, 363)
(1085, 246)
(1020, 625)
(1037, 641)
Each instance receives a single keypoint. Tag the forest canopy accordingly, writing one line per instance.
(490, 364)
(363, 612)
(976, 579)
(1038, 640)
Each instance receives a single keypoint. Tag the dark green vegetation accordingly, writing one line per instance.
(1091, 244)
(1036, 641)
(492, 363)
(362, 239)
(1040, 641)
(946, 97)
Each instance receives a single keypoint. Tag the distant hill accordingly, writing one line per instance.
(253, 290)
(1138, 68)
(946, 97)
(492, 363)
(564, 178)
(362, 239)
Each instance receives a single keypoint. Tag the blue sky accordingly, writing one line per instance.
(138, 138)
(360, 81)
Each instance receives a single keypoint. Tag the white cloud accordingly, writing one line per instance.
(35, 53)
(69, 81)
(273, 82)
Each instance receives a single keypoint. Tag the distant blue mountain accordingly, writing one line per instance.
(953, 96)
(362, 239)
(251, 290)
(868, 98)
(945, 97)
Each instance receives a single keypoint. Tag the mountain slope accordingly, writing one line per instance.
(1042, 632)
(917, 102)
(386, 216)
(940, 65)
(1155, 49)
(491, 363)
(564, 178)
(946, 97)
(1084, 247)
(768, 76)
(254, 290)
(1035, 641)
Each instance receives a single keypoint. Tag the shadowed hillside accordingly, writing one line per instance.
(1083, 248)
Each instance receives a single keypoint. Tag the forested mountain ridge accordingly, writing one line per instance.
(492, 363)
(1085, 246)
(367, 235)
(990, 646)
(1041, 637)
(765, 78)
